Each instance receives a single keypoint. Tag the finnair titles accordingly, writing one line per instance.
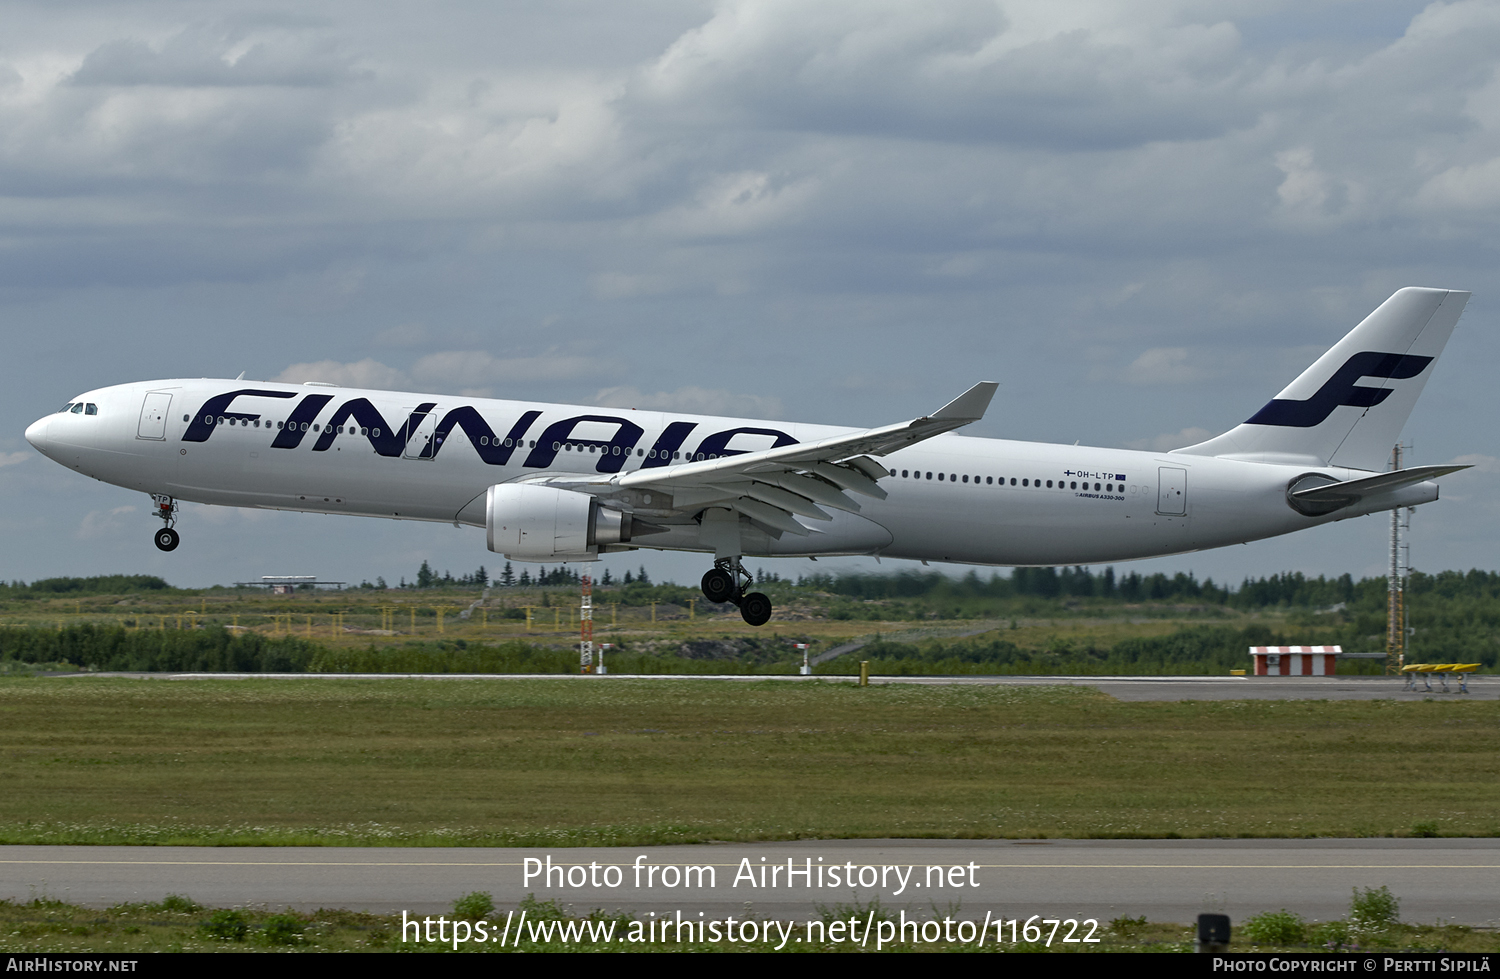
(553, 482)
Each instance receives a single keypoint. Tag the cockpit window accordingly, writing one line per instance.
(91, 409)
(77, 408)
(65, 408)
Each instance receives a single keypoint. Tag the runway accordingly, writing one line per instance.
(1449, 880)
(1137, 688)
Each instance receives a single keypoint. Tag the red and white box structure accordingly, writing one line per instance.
(1295, 660)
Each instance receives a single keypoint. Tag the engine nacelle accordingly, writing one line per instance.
(527, 522)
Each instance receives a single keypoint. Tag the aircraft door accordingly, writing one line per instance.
(153, 423)
(419, 436)
(1171, 491)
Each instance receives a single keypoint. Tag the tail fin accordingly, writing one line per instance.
(1326, 417)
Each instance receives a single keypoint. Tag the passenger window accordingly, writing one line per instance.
(1025, 482)
(940, 477)
(1049, 484)
(905, 474)
(989, 480)
(929, 475)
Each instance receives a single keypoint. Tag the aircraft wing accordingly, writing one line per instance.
(773, 485)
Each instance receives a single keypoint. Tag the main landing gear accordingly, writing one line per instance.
(723, 584)
(166, 508)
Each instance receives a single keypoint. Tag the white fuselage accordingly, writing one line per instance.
(951, 498)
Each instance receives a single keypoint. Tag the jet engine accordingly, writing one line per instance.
(528, 522)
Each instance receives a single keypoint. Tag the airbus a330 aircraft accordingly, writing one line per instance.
(567, 483)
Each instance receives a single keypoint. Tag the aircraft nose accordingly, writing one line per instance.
(36, 434)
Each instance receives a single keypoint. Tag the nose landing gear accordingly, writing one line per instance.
(723, 584)
(167, 539)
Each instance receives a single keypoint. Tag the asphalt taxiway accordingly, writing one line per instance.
(1448, 880)
(1162, 688)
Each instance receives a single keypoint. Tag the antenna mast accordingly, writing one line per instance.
(1395, 621)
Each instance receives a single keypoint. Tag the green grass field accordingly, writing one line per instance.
(639, 761)
(178, 924)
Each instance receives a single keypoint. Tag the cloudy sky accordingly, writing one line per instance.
(1141, 218)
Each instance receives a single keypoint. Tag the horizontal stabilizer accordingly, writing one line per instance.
(1353, 490)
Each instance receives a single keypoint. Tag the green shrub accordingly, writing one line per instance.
(283, 929)
(1330, 934)
(1275, 928)
(227, 925)
(474, 906)
(548, 910)
(178, 902)
(1372, 909)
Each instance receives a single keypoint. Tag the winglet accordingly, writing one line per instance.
(971, 405)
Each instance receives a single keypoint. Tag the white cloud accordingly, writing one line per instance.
(1162, 366)
(367, 373)
(1483, 463)
(475, 370)
(102, 523)
(693, 400)
(623, 285)
(1171, 440)
(404, 335)
(13, 458)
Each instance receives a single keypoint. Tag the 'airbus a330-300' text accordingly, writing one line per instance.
(553, 482)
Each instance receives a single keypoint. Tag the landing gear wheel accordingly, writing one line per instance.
(719, 586)
(167, 539)
(755, 608)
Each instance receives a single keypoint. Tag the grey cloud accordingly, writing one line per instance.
(955, 70)
(201, 57)
(694, 400)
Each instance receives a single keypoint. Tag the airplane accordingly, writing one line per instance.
(553, 482)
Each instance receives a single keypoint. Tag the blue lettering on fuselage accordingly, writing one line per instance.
(372, 424)
(715, 445)
(492, 449)
(667, 443)
(612, 453)
(202, 424)
(300, 420)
